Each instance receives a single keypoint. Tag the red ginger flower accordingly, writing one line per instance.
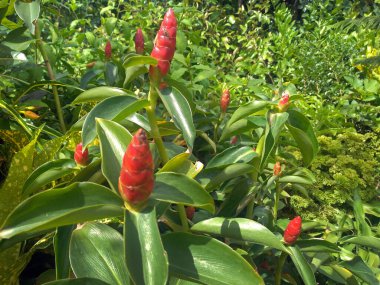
(284, 103)
(293, 230)
(80, 156)
(139, 41)
(190, 212)
(277, 169)
(164, 46)
(108, 50)
(225, 101)
(136, 179)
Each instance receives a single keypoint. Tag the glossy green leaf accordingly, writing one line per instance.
(140, 121)
(295, 179)
(317, 245)
(96, 252)
(372, 208)
(303, 133)
(28, 12)
(87, 173)
(181, 189)
(213, 178)
(16, 116)
(182, 164)
(110, 73)
(207, 261)
(240, 229)
(179, 109)
(367, 241)
(361, 224)
(132, 72)
(181, 87)
(47, 173)
(114, 140)
(115, 108)
(361, 270)
(345, 274)
(247, 110)
(98, 94)
(145, 256)
(134, 60)
(275, 124)
(110, 24)
(237, 128)
(231, 202)
(17, 40)
(332, 274)
(61, 251)
(302, 266)
(76, 203)
(77, 281)
(236, 154)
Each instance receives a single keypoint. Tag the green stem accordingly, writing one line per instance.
(150, 110)
(51, 74)
(183, 217)
(251, 204)
(217, 127)
(277, 199)
(280, 265)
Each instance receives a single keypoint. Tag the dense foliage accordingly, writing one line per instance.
(243, 150)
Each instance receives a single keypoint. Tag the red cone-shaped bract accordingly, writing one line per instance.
(190, 212)
(164, 46)
(293, 230)
(139, 41)
(80, 156)
(108, 50)
(225, 101)
(277, 169)
(284, 103)
(136, 179)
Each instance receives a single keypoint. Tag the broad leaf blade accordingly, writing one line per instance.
(240, 229)
(95, 251)
(145, 256)
(98, 94)
(360, 269)
(246, 110)
(61, 251)
(207, 261)
(179, 109)
(232, 155)
(302, 266)
(77, 281)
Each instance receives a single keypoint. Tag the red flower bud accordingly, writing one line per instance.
(80, 156)
(139, 41)
(277, 169)
(136, 179)
(190, 212)
(164, 46)
(234, 140)
(293, 230)
(108, 50)
(284, 103)
(224, 101)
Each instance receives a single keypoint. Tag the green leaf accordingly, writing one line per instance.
(181, 87)
(132, 72)
(214, 177)
(302, 266)
(361, 270)
(76, 203)
(332, 274)
(110, 24)
(61, 251)
(114, 140)
(17, 40)
(207, 261)
(28, 12)
(134, 60)
(204, 74)
(180, 111)
(47, 173)
(145, 256)
(77, 281)
(236, 154)
(302, 132)
(181, 189)
(296, 179)
(16, 116)
(367, 241)
(110, 73)
(237, 128)
(345, 274)
(361, 224)
(115, 108)
(95, 251)
(182, 164)
(240, 229)
(247, 110)
(98, 94)
(317, 245)
(275, 124)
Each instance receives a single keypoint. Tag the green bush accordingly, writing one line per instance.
(347, 161)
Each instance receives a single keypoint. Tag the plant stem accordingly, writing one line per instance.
(251, 204)
(183, 217)
(277, 199)
(280, 265)
(152, 97)
(217, 127)
(51, 74)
